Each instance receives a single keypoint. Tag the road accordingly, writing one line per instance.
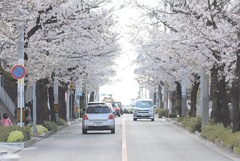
(140, 140)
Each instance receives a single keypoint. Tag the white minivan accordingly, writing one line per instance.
(143, 109)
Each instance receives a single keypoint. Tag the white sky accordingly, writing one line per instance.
(126, 88)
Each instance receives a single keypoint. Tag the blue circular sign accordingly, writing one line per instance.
(18, 71)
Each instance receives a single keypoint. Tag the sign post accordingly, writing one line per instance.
(18, 72)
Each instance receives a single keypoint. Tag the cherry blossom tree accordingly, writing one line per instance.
(198, 36)
(73, 39)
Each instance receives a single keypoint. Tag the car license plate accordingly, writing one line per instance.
(97, 124)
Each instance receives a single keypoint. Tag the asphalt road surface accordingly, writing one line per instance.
(141, 140)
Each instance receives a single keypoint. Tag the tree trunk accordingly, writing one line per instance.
(235, 94)
(71, 101)
(91, 99)
(51, 104)
(62, 103)
(194, 97)
(41, 94)
(83, 103)
(160, 96)
(216, 105)
(178, 102)
(235, 106)
(224, 103)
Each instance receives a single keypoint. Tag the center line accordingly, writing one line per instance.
(124, 144)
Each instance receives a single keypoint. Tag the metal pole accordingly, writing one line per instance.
(184, 96)
(21, 81)
(34, 109)
(55, 92)
(170, 102)
(204, 98)
(165, 95)
(67, 106)
(70, 99)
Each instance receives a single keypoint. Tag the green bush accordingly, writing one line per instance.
(5, 132)
(191, 123)
(40, 129)
(180, 119)
(15, 136)
(61, 122)
(212, 131)
(236, 140)
(50, 125)
(217, 132)
(172, 115)
(161, 113)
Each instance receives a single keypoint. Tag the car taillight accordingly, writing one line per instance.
(85, 117)
(111, 116)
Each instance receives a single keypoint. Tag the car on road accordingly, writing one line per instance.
(143, 109)
(111, 107)
(125, 109)
(120, 107)
(95, 103)
(130, 108)
(116, 109)
(98, 117)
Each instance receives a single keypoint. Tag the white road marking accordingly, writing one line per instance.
(46, 139)
(33, 148)
(124, 144)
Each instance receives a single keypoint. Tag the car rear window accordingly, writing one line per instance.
(98, 109)
(95, 103)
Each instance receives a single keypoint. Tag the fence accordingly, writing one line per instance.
(7, 100)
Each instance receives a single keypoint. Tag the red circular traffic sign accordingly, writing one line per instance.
(18, 72)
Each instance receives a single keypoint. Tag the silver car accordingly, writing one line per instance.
(143, 109)
(98, 117)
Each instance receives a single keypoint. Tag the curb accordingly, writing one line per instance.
(18, 146)
(197, 133)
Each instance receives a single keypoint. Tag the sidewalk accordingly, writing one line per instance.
(6, 149)
(12, 148)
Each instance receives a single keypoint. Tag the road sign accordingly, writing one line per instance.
(79, 92)
(18, 72)
(184, 86)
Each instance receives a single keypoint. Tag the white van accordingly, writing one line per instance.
(143, 109)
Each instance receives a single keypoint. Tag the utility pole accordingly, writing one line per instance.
(165, 95)
(21, 113)
(204, 97)
(55, 92)
(184, 96)
(67, 103)
(170, 110)
(34, 109)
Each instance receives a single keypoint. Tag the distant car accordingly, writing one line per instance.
(143, 109)
(116, 109)
(111, 107)
(125, 109)
(130, 108)
(98, 117)
(120, 107)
